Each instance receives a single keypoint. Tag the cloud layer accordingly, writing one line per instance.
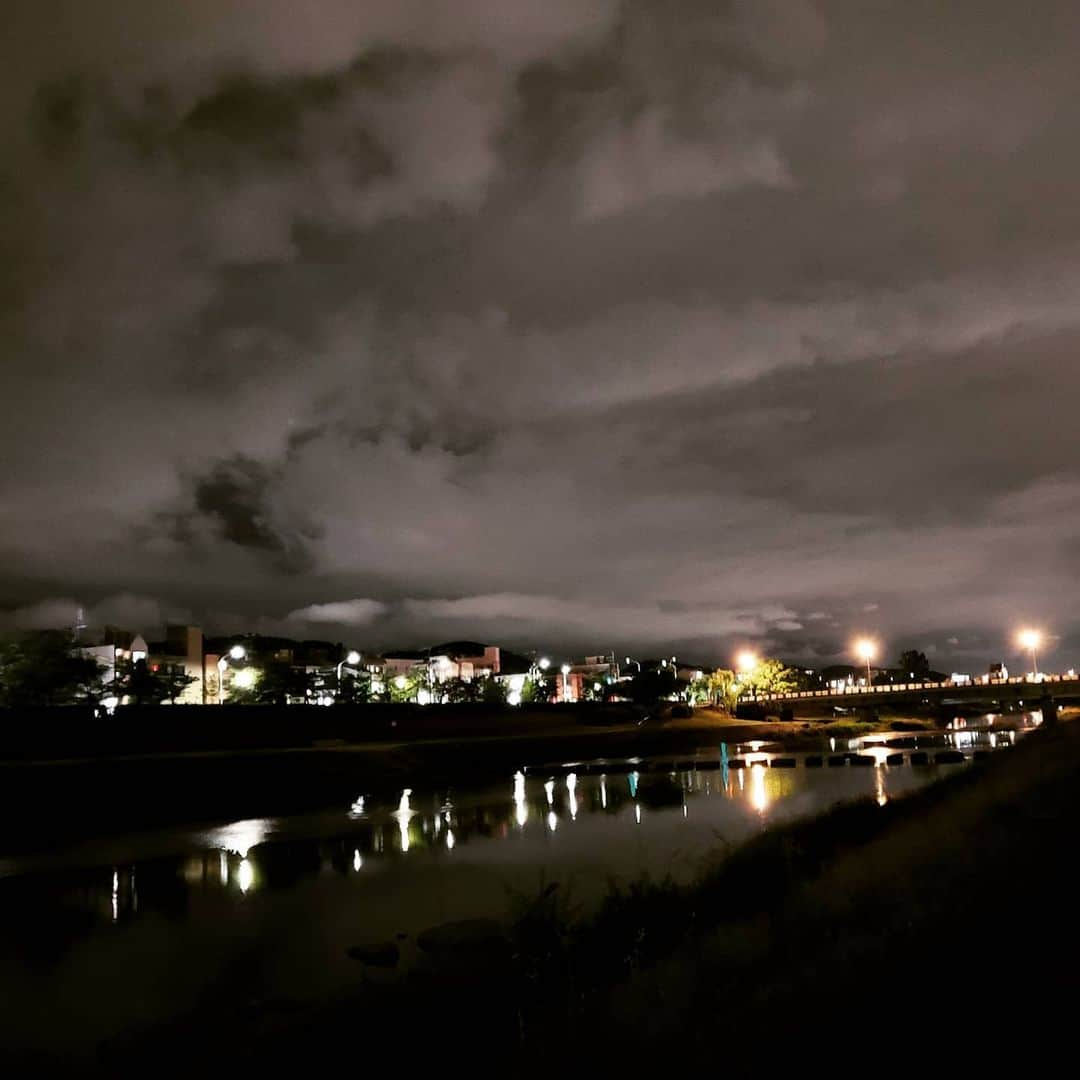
(596, 324)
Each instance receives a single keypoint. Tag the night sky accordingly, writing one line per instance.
(575, 323)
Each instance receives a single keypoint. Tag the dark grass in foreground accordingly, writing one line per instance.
(939, 924)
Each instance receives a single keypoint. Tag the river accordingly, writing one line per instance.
(124, 931)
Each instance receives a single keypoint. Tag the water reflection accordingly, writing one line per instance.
(879, 783)
(241, 836)
(758, 796)
(521, 805)
(733, 791)
(404, 815)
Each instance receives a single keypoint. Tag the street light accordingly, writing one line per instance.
(631, 660)
(545, 663)
(1031, 640)
(353, 658)
(237, 652)
(866, 650)
(565, 669)
(745, 662)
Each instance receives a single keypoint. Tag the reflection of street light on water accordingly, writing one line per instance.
(758, 796)
(521, 806)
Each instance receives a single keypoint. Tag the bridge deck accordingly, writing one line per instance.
(993, 689)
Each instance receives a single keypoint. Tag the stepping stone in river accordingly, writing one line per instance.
(949, 757)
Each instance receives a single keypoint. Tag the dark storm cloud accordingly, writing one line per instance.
(235, 500)
(606, 324)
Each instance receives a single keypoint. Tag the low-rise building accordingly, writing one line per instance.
(181, 653)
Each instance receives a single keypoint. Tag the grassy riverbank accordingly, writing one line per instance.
(938, 924)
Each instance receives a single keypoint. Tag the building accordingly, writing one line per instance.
(117, 651)
(181, 653)
(466, 660)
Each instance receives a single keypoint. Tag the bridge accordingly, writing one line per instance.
(995, 694)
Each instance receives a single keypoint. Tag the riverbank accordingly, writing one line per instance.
(901, 925)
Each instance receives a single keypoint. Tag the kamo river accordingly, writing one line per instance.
(124, 931)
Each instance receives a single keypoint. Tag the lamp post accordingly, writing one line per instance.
(1031, 640)
(866, 650)
(565, 682)
(352, 658)
(237, 652)
(746, 663)
(631, 660)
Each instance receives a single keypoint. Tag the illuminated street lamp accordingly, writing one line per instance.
(1031, 640)
(631, 660)
(866, 650)
(565, 669)
(545, 663)
(745, 662)
(352, 659)
(237, 652)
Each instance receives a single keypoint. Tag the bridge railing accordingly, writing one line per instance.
(900, 688)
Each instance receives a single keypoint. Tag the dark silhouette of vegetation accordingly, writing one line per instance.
(274, 684)
(652, 685)
(355, 688)
(139, 684)
(47, 668)
(914, 664)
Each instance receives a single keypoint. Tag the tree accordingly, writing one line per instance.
(274, 684)
(142, 685)
(716, 688)
(652, 685)
(770, 677)
(538, 689)
(915, 664)
(460, 691)
(492, 690)
(597, 689)
(355, 688)
(407, 687)
(47, 668)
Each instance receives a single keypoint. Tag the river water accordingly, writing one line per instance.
(122, 932)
